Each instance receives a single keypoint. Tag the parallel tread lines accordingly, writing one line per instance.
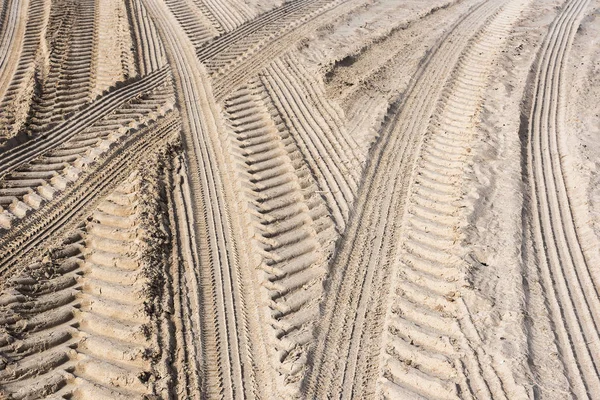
(570, 287)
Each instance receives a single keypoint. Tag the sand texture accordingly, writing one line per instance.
(300, 199)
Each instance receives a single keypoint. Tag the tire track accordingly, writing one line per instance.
(570, 287)
(229, 39)
(346, 358)
(232, 348)
(16, 101)
(293, 232)
(331, 154)
(198, 28)
(13, 156)
(113, 53)
(238, 55)
(229, 14)
(184, 289)
(59, 214)
(12, 36)
(202, 8)
(430, 346)
(77, 325)
(387, 66)
(150, 52)
(25, 189)
(71, 75)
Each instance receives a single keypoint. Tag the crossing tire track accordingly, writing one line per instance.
(15, 155)
(61, 214)
(76, 325)
(293, 232)
(229, 14)
(25, 189)
(197, 26)
(230, 332)
(238, 55)
(345, 358)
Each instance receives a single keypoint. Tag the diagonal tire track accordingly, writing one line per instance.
(75, 325)
(229, 328)
(357, 292)
(18, 155)
(65, 209)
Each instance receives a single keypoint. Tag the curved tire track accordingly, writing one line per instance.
(431, 347)
(230, 335)
(570, 287)
(345, 358)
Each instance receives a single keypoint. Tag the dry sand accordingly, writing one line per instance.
(304, 199)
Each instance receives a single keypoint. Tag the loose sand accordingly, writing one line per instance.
(302, 199)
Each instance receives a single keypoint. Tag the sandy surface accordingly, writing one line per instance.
(302, 199)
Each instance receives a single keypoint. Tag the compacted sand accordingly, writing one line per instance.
(303, 199)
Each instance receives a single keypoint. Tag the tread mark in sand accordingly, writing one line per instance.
(228, 325)
(15, 100)
(231, 339)
(25, 189)
(570, 287)
(75, 323)
(332, 158)
(294, 233)
(36, 146)
(355, 309)
(63, 211)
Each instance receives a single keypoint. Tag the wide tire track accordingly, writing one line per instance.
(75, 325)
(230, 335)
(72, 63)
(345, 359)
(26, 188)
(112, 35)
(331, 154)
(293, 234)
(431, 347)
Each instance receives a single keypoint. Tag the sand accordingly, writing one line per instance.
(308, 199)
